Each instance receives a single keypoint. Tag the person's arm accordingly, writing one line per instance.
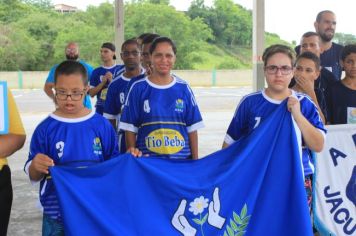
(48, 89)
(130, 139)
(15, 139)
(313, 138)
(10, 143)
(39, 167)
(193, 142)
(224, 145)
(95, 90)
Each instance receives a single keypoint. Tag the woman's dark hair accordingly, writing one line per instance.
(162, 40)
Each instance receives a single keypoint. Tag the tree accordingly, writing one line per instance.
(165, 20)
(18, 51)
(344, 39)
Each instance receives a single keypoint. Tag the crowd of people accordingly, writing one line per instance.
(143, 108)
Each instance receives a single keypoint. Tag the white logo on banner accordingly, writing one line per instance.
(335, 182)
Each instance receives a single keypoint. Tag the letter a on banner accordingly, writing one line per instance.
(4, 116)
(335, 182)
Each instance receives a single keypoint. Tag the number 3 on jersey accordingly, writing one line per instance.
(60, 148)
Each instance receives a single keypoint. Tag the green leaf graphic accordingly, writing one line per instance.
(230, 231)
(237, 218)
(204, 218)
(233, 225)
(243, 212)
(197, 221)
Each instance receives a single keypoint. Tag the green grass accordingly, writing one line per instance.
(218, 57)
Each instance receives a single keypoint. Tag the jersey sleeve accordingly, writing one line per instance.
(129, 120)
(50, 77)
(94, 79)
(193, 117)
(37, 145)
(111, 106)
(310, 112)
(238, 124)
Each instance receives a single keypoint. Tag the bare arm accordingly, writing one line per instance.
(10, 143)
(311, 135)
(193, 142)
(130, 139)
(48, 88)
(94, 91)
(225, 145)
(39, 167)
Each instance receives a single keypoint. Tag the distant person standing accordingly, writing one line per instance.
(341, 99)
(103, 75)
(115, 99)
(9, 143)
(325, 26)
(72, 53)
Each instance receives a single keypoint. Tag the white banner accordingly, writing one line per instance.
(4, 121)
(335, 182)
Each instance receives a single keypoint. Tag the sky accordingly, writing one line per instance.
(289, 19)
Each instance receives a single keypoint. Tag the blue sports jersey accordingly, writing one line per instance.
(256, 107)
(74, 142)
(162, 117)
(89, 68)
(115, 101)
(96, 79)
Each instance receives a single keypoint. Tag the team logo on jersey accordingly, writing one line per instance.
(146, 106)
(97, 146)
(351, 115)
(179, 105)
(165, 141)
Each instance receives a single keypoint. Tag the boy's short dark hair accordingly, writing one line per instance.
(348, 49)
(130, 41)
(278, 48)
(162, 40)
(70, 67)
(310, 56)
(309, 34)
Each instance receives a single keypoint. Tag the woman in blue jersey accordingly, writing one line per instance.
(71, 135)
(161, 116)
(256, 107)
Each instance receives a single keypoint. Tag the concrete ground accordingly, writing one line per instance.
(217, 106)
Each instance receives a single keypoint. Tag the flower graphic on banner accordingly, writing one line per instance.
(197, 207)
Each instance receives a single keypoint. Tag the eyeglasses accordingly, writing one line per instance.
(128, 53)
(272, 69)
(75, 96)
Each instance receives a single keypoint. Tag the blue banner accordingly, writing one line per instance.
(254, 187)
